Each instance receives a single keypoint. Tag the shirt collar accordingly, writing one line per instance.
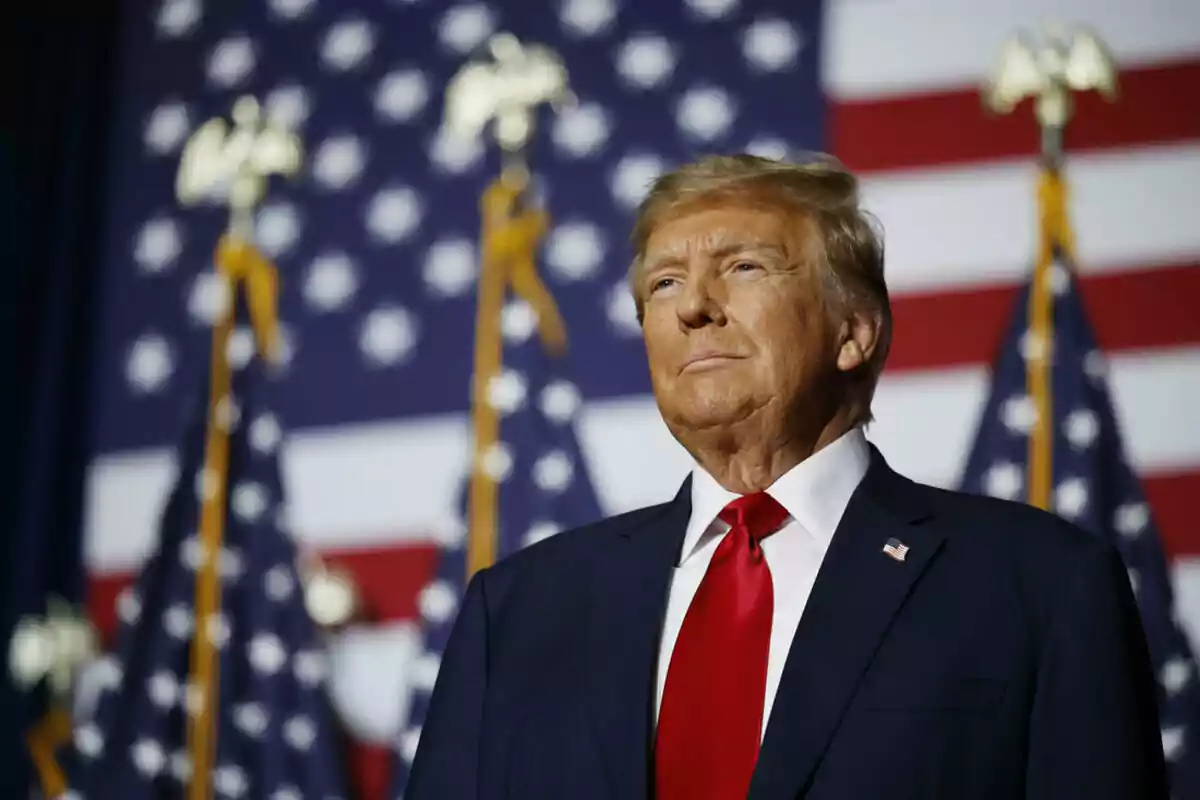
(815, 492)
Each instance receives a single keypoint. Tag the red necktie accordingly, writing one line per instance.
(710, 720)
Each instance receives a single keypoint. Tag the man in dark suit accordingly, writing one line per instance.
(800, 620)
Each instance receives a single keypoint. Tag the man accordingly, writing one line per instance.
(800, 620)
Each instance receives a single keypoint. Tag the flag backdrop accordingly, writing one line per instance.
(1093, 486)
(377, 248)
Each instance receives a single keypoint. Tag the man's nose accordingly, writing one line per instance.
(701, 303)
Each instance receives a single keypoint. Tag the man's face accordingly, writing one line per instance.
(734, 320)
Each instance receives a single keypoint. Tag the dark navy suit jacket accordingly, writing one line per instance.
(1003, 658)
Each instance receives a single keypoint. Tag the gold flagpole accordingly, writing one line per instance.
(234, 168)
(1048, 73)
(510, 234)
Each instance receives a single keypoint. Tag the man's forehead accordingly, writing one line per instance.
(722, 229)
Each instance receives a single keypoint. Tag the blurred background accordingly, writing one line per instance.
(112, 287)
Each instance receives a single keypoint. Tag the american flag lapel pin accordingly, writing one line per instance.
(896, 549)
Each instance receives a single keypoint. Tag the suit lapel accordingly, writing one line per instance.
(628, 601)
(857, 592)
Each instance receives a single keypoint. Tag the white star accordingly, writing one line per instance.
(559, 401)
(464, 27)
(309, 667)
(265, 433)
(1071, 497)
(292, 9)
(540, 531)
(240, 348)
(424, 671)
(1058, 280)
(553, 471)
(506, 391)
(267, 653)
(277, 228)
(89, 740)
(278, 583)
(150, 364)
(401, 95)
(166, 129)
(1082, 426)
(148, 757)
(771, 44)
(287, 793)
(231, 62)
(339, 161)
(438, 602)
(331, 282)
(575, 250)
(157, 245)
(1173, 742)
(181, 766)
(1034, 347)
(454, 154)
(389, 335)
(178, 18)
(645, 62)
(518, 321)
(129, 606)
(163, 689)
(394, 214)
(209, 298)
(497, 462)
(622, 311)
(1131, 519)
(249, 501)
(581, 130)
(288, 106)
(108, 673)
(712, 9)
(348, 44)
(230, 563)
(218, 630)
(230, 780)
(450, 266)
(300, 732)
(1004, 480)
(705, 113)
(226, 413)
(1095, 365)
(1174, 675)
(633, 176)
(587, 17)
(1019, 413)
(251, 719)
(770, 147)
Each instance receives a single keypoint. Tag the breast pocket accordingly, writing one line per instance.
(931, 692)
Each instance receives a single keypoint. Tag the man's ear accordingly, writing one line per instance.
(857, 339)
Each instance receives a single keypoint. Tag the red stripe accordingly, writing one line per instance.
(1155, 105)
(1128, 310)
(391, 578)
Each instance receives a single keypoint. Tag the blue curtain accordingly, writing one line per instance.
(52, 158)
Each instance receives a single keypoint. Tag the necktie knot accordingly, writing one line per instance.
(759, 514)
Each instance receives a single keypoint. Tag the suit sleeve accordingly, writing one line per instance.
(446, 765)
(1094, 730)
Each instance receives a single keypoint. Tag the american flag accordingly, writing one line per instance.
(377, 245)
(1092, 486)
(275, 732)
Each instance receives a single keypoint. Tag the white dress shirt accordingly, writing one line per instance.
(815, 494)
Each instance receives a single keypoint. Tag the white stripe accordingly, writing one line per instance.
(974, 226)
(398, 482)
(1186, 574)
(876, 48)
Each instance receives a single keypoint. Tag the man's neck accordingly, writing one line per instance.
(745, 458)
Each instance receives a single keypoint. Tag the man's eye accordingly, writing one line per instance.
(661, 283)
(744, 266)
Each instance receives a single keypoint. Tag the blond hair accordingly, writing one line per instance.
(822, 193)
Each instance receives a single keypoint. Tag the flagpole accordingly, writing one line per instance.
(208, 166)
(1048, 74)
(511, 232)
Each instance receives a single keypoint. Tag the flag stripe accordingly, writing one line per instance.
(1130, 310)
(939, 129)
